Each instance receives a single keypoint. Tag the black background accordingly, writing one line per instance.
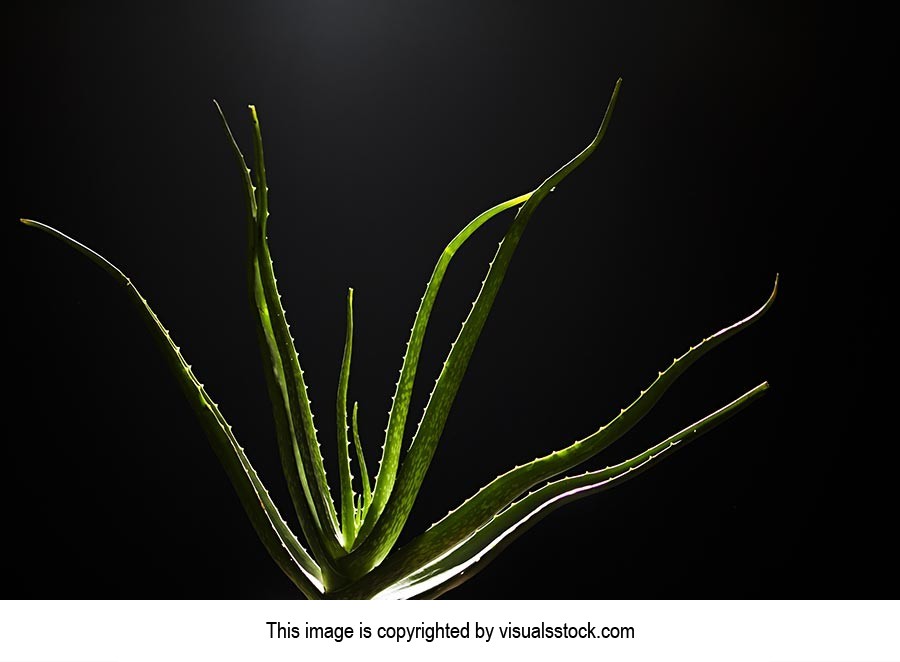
(750, 138)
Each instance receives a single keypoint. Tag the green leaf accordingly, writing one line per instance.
(366, 496)
(385, 533)
(491, 499)
(272, 530)
(308, 447)
(273, 370)
(387, 472)
(472, 555)
(348, 510)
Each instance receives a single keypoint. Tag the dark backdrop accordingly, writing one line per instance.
(748, 140)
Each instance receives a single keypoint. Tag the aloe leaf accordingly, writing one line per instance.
(272, 367)
(387, 471)
(348, 511)
(496, 495)
(272, 530)
(246, 180)
(308, 448)
(471, 556)
(366, 496)
(374, 549)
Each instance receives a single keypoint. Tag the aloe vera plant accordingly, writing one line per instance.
(349, 550)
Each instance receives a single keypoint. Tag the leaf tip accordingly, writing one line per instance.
(771, 299)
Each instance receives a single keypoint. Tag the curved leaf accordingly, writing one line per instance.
(472, 555)
(273, 370)
(308, 447)
(366, 496)
(387, 471)
(275, 534)
(385, 533)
